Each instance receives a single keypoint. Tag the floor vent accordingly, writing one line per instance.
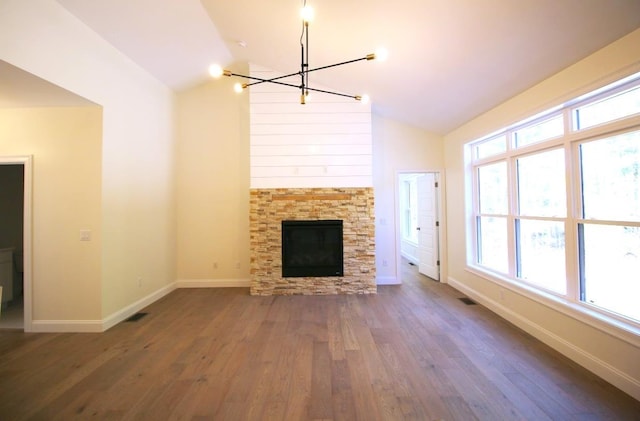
(136, 317)
(467, 301)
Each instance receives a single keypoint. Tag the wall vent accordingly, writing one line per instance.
(136, 317)
(467, 301)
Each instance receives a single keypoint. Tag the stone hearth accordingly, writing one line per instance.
(269, 207)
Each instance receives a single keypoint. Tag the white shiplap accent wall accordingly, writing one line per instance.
(324, 143)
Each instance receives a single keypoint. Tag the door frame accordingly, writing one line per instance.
(442, 237)
(27, 165)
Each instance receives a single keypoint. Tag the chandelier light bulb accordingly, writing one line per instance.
(238, 87)
(307, 14)
(382, 54)
(365, 99)
(215, 71)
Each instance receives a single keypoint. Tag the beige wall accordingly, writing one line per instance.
(396, 147)
(615, 358)
(66, 146)
(212, 127)
(137, 230)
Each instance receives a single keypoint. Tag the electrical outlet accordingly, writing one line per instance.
(237, 265)
(139, 282)
(384, 263)
(215, 265)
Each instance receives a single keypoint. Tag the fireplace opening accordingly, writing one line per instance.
(312, 248)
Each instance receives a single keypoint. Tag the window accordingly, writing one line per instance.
(541, 184)
(540, 228)
(491, 147)
(556, 203)
(409, 211)
(535, 133)
(491, 219)
(609, 230)
(610, 108)
(611, 183)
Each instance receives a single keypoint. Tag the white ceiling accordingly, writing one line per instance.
(449, 60)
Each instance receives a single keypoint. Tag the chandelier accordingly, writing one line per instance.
(307, 15)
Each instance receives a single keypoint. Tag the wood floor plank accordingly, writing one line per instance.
(321, 403)
(411, 352)
(299, 392)
(364, 397)
(341, 391)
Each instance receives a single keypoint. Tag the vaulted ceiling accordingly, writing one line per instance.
(449, 60)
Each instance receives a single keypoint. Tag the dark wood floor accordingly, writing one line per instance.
(411, 352)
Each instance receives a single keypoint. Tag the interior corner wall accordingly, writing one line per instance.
(396, 147)
(66, 146)
(212, 175)
(612, 358)
(137, 229)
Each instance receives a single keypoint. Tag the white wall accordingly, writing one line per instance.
(137, 227)
(212, 186)
(323, 143)
(396, 147)
(613, 355)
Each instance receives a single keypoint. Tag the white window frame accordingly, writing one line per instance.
(568, 303)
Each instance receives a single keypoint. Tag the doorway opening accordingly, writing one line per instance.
(420, 221)
(15, 242)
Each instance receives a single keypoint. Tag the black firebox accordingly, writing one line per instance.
(312, 248)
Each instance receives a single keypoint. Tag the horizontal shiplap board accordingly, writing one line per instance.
(295, 108)
(316, 171)
(302, 129)
(292, 95)
(313, 150)
(312, 139)
(309, 182)
(309, 161)
(310, 118)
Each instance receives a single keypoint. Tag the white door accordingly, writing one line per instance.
(428, 226)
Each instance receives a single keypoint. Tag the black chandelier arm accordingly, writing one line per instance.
(367, 57)
(357, 97)
(260, 80)
(305, 74)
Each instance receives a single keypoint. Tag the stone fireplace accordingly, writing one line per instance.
(354, 206)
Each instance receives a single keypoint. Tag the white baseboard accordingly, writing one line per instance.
(599, 367)
(133, 308)
(213, 283)
(387, 280)
(410, 258)
(66, 326)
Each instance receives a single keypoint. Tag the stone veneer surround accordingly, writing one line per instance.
(354, 206)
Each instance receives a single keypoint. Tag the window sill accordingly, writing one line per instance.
(625, 331)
